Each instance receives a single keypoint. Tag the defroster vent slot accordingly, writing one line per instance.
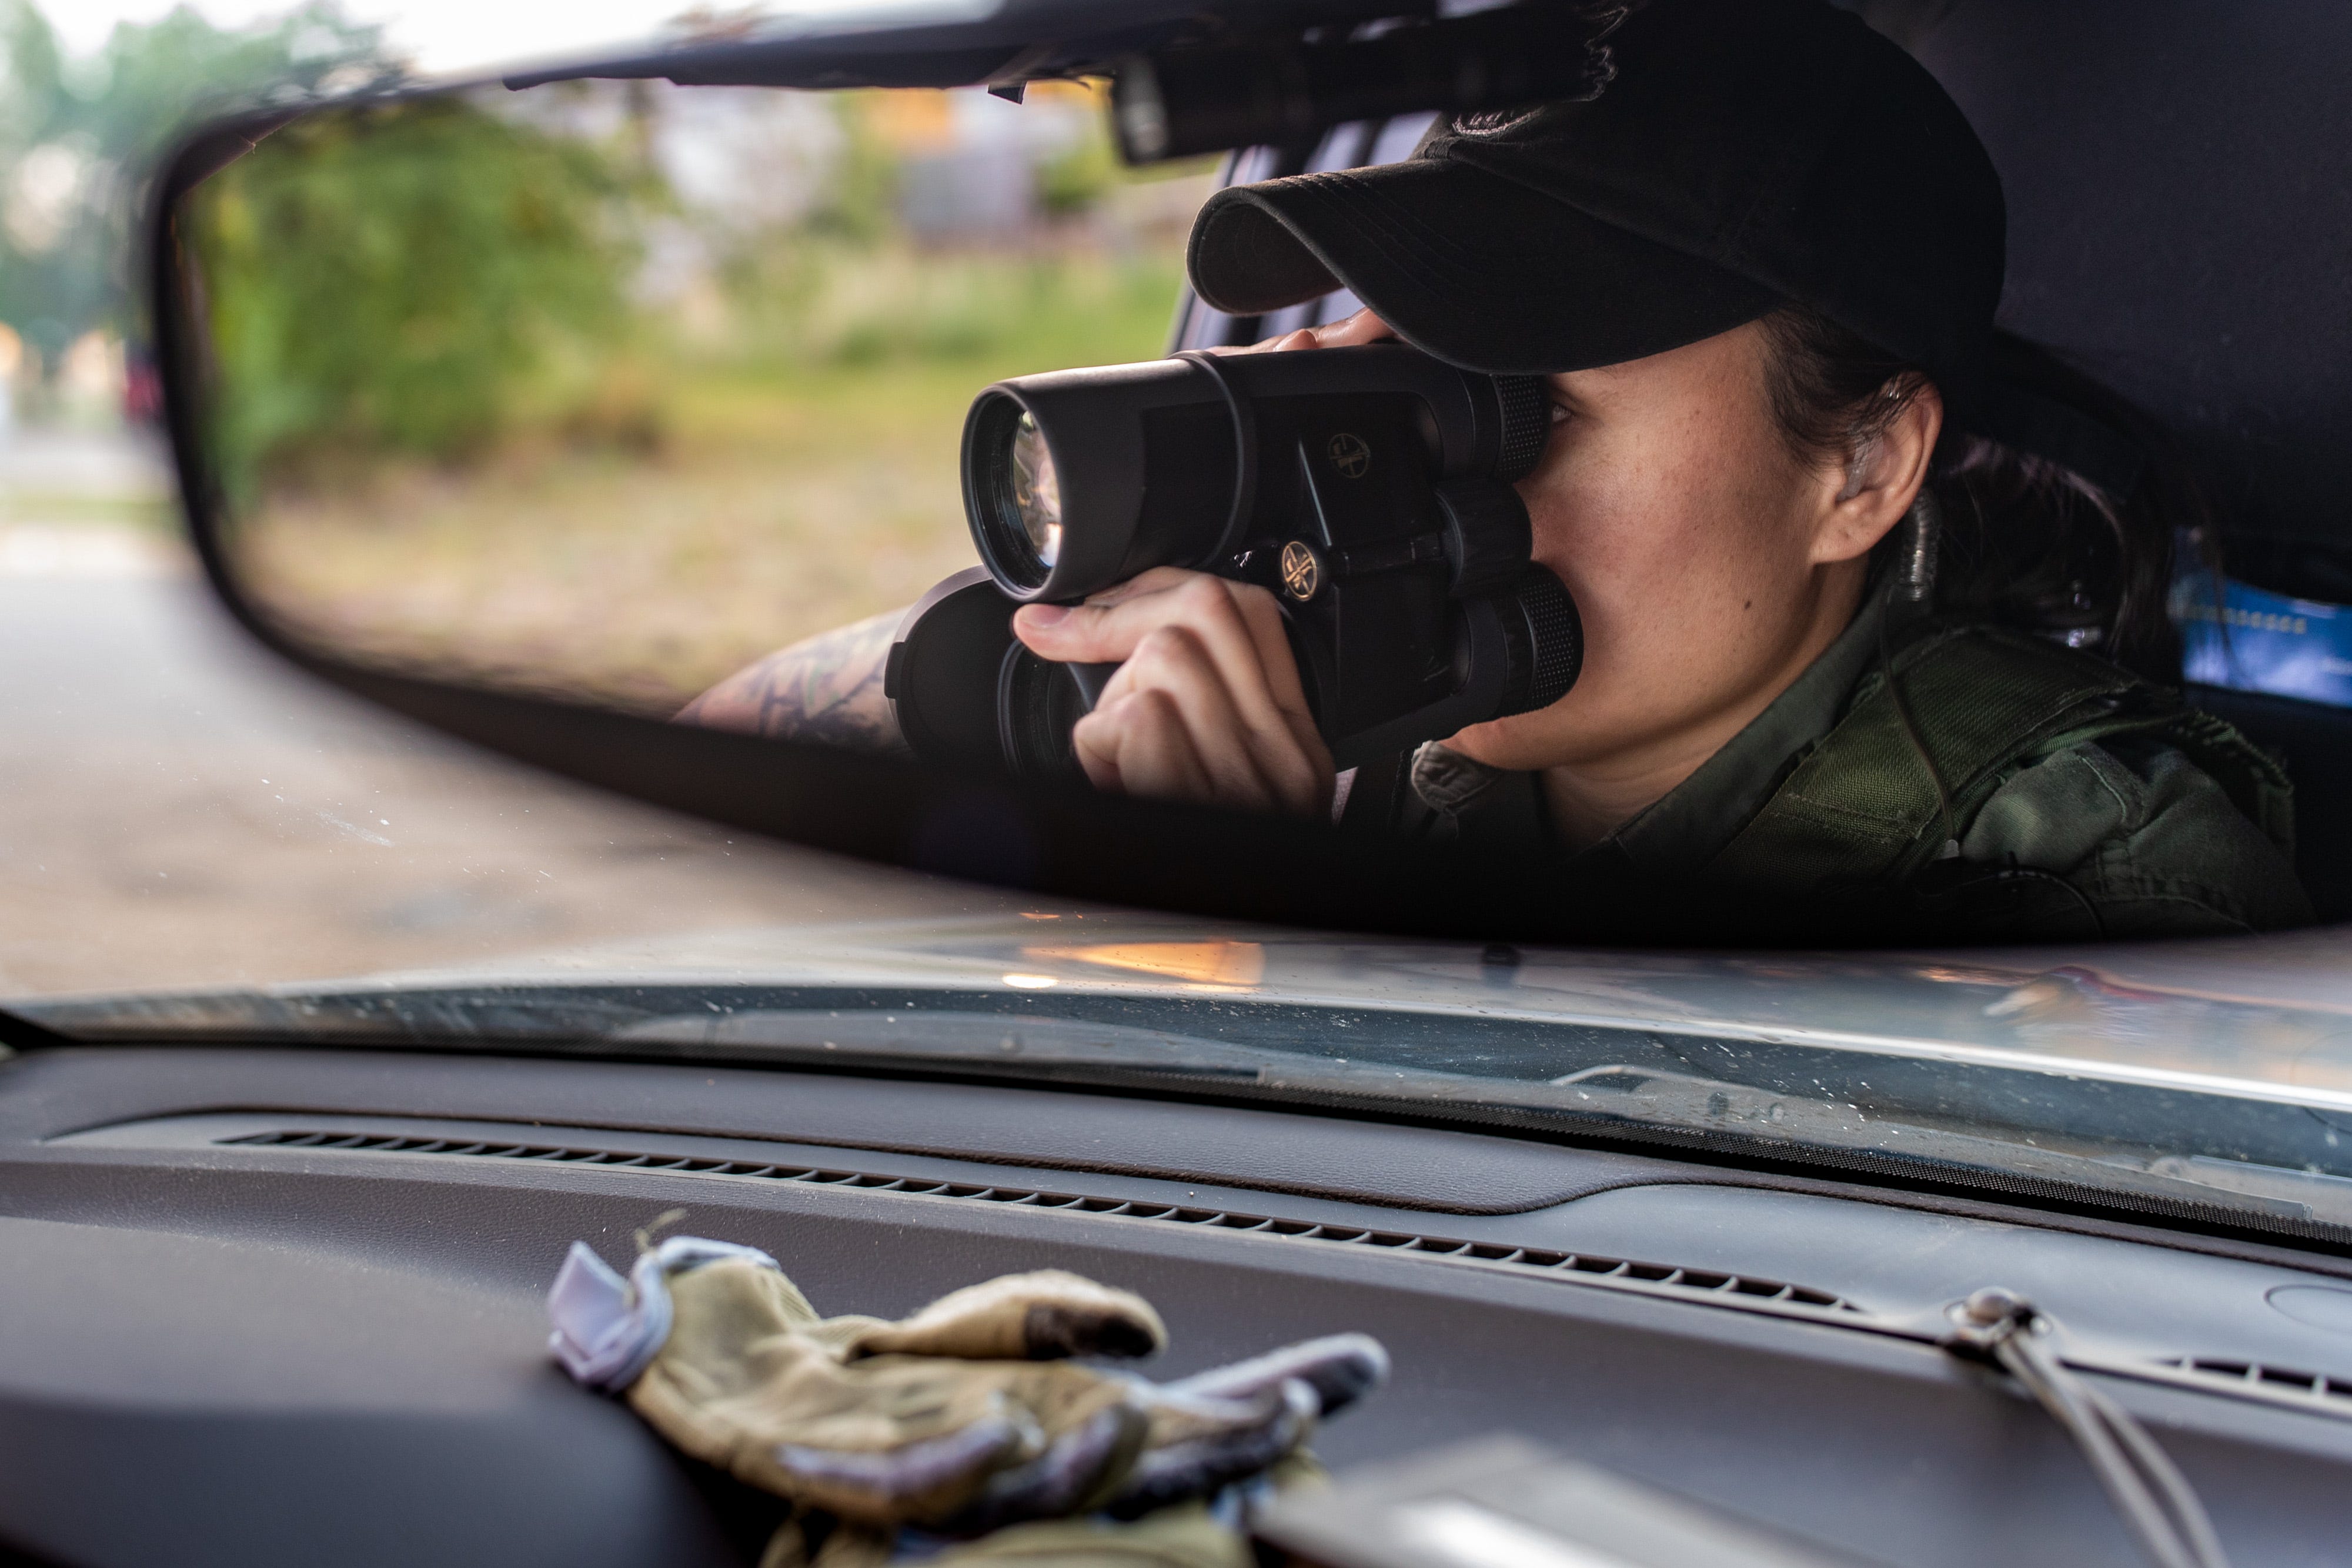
(1693, 1282)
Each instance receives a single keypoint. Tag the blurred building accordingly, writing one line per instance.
(969, 163)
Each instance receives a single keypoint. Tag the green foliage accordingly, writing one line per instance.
(419, 277)
(860, 202)
(36, 74)
(151, 81)
(450, 278)
(1073, 182)
(96, 127)
(1046, 309)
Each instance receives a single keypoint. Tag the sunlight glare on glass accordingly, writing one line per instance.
(1030, 982)
(438, 36)
(1216, 963)
(1036, 490)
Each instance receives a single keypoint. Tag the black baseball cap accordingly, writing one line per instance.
(1731, 155)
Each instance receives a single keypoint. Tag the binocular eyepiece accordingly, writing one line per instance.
(1370, 488)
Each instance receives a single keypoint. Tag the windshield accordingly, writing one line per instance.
(671, 402)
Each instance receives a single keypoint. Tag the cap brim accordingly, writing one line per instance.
(1466, 265)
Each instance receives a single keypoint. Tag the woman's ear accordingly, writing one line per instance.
(1882, 481)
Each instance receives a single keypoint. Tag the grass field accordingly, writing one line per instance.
(782, 489)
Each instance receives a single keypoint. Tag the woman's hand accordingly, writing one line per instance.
(1348, 332)
(1206, 706)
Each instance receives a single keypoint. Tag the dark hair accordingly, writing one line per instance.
(2026, 542)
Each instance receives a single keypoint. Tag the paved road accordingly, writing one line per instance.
(177, 807)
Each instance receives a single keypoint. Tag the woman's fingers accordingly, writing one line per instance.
(1219, 649)
(1238, 626)
(1171, 732)
(1238, 622)
(1137, 746)
(1363, 327)
(1252, 766)
(1228, 721)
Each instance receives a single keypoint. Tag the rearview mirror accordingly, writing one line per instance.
(709, 443)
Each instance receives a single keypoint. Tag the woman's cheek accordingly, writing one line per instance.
(1609, 569)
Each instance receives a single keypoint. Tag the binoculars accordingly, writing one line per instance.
(1368, 488)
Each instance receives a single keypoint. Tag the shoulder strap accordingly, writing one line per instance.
(1863, 808)
(2255, 780)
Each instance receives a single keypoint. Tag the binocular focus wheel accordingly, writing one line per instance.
(1525, 431)
(1546, 639)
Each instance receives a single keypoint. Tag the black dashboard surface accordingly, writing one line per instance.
(278, 1306)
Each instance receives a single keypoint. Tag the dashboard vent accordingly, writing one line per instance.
(2335, 1390)
(1740, 1288)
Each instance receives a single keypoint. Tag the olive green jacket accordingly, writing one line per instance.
(2066, 800)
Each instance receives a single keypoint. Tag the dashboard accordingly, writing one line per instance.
(273, 1305)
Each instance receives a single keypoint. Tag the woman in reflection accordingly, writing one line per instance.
(1759, 265)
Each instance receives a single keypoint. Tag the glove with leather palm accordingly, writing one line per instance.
(961, 1418)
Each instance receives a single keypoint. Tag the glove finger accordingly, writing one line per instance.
(1023, 1317)
(1199, 1444)
(883, 1486)
(1341, 1368)
(1069, 1477)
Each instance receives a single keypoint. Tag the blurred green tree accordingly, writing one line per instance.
(417, 277)
(79, 138)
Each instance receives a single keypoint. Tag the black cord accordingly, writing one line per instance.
(2156, 1501)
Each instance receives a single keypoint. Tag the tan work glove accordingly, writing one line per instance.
(961, 1418)
(1194, 1534)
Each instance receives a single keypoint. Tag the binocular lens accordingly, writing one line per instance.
(1036, 490)
(1012, 489)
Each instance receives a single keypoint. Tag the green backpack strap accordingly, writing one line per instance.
(1861, 807)
(2255, 779)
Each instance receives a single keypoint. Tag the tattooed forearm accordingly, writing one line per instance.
(827, 689)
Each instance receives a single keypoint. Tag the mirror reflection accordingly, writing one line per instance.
(608, 390)
(889, 419)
